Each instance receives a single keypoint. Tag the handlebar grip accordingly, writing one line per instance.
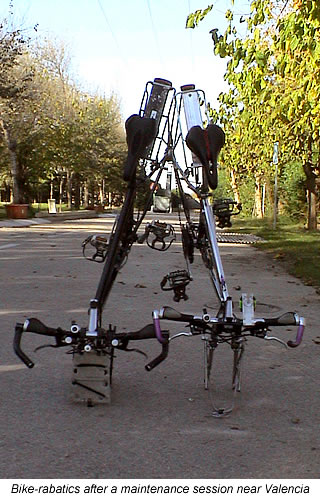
(17, 348)
(171, 314)
(143, 334)
(35, 326)
(287, 319)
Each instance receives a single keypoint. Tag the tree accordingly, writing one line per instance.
(15, 79)
(54, 131)
(273, 74)
(298, 76)
(83, 133)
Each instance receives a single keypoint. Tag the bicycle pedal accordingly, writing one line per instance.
(101, 246)
(223, 209)
(177, 282)
(159, 235)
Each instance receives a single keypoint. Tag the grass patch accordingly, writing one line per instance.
(3, 213)
(36, 207)
(290, 243)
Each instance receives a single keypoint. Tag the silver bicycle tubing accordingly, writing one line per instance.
(211, 226)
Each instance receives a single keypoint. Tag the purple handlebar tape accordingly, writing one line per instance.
(299, 336)
(157, 328)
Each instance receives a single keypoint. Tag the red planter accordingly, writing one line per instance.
(17, 210)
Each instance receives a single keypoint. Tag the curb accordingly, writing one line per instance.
(44, 219)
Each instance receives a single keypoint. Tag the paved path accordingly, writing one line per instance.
(159, 424)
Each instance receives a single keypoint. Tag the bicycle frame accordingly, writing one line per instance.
(93, 345)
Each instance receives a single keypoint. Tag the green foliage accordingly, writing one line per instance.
(196, 17)
(292, 190)
(224, 189)
(12, 46)
(274, 79)
(49, 129)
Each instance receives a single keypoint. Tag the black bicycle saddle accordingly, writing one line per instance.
(140, 133)
(206, 143)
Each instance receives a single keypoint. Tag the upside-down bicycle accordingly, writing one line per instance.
(166, 123)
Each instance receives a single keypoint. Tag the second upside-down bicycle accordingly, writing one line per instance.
(166, 123)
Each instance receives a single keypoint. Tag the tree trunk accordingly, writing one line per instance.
(101, 193)
(76, 186)
(258, 198)
(312, 193)
(312, 196)
(18, 194)
(60, 193)
(269, 198)
(69, 189)
(235, 186)
(86, 194)
(312, 203)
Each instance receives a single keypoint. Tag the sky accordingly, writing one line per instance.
(117, 46)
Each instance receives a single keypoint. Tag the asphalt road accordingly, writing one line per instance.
(159, 424)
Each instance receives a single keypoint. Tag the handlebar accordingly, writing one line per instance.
(147, 332)
(259, 324)
(109, 338)
(300, 331)
(170, 314)
(77, 336)
(34, 326)
(150, 331)
(288, 319)
(17, 348)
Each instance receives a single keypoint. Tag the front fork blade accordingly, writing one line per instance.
(238, 351)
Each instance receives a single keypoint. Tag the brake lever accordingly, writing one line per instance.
(183, 333)
(274, 338)
(46, 346)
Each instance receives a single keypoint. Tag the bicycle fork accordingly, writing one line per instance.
(237, 346)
